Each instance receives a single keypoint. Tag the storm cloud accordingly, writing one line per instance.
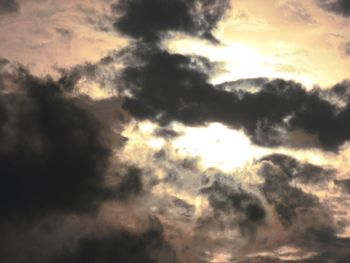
(51, 156)
(340, 7)
(169, 87)
(232, 209)
(149, 21)
(122, 246)
(91, 171)
(56, 169)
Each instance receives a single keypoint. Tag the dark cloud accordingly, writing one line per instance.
(340, 91)
(122, 246)
(3, 61)
(70, 77)
(166, 133)
(150, 20)
(340, 7)
(57, 171)
(9, 6)
(345, 184)
(86, 238)
(52, 157)
(227, 197)
(169, 87)
(182, 207)
(130, 184)
(289, 202)
(56, 150)
(303, 172)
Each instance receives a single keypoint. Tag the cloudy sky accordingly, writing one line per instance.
(180, 131)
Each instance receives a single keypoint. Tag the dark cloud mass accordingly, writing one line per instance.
(129, 185)
(51, 156)
(55, 167)
(303, 172)
(9, 6)
(345, 184)
(68, 194)
(170, 87)
(227, 198)
(286, 199)
(122, 246)
(149, 20)
(340, 7)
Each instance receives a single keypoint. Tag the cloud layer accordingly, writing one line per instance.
(98, 178)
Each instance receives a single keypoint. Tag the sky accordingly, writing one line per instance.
(180, 131)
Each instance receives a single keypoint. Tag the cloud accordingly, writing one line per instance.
(305, 173)
(340, 7)
(345, 184)
(64, 33)
(55, 149)
(169, 87)
(122, 246)
(60, 154)
(287, 200)
(166, 87)
(9, 6)
(130, 184)
(58, 170)
(3, 61)
(227, 198)
(297, 12)
(149, 21)
(51, 157)
(347, 48)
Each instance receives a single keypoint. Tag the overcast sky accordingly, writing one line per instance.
(174, 131)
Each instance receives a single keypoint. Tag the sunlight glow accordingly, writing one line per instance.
(241, 60)
(218, 146)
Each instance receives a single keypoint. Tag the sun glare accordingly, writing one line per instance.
(241, 60)
(217, 146)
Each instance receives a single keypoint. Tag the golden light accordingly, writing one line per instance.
(214, 145)
(242, 60)
(217, 146)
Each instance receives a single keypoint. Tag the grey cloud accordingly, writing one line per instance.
(289, 201)
(347, 48)
(303, 172)
(9, 6)
(122, 246)
(148, 21)
(233, 208)
(63, 32)
(340, 7)
(172, 87)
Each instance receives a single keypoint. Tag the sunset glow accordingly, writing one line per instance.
(174, 131)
